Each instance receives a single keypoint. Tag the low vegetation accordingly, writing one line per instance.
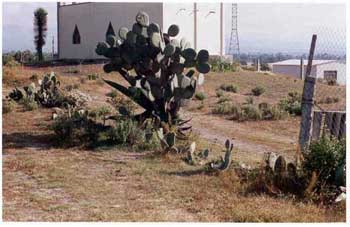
(200, 96)
(317, 176)
(329, 100)
(7, 106)
(291, 104)
(89, 157)
(258, 90)
(47, 94)
(219, 65)
(249, 111)
(72, 71)
(229, 88)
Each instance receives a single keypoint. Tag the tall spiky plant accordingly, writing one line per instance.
(40, 28)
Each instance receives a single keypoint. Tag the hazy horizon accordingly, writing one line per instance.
(263, 27)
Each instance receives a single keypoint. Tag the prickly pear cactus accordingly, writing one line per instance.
(165, 68)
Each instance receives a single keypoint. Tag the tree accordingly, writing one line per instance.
(40, 28)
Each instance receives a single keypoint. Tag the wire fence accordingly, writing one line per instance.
(329, 67)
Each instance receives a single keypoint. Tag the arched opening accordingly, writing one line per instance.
(76, 35)
(110, 30)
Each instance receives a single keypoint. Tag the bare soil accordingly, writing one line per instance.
(43, 182)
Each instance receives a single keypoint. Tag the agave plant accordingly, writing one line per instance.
(164, 67)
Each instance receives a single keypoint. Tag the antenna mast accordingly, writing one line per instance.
(234, 41)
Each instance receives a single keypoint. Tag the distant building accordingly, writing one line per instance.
(82, 25)
(328, 70)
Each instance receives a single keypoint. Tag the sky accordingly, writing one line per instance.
(262, 28)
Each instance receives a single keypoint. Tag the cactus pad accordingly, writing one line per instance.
(173, 30)
(142, 19)
(123, 31)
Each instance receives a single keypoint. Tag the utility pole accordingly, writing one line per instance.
(53, 47)
(195, 25)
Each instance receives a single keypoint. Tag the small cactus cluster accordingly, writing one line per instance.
(47, 94)
(224, 163)
(159, 61)
(167, 141)
(201, 158)
(196, 158)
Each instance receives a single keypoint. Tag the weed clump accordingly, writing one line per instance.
(200, 96)
(249, 112)
(90, 129)
(229, 88)
(291, 104)
(258, 90)
(329, 100)
(219, 93)
(7, 106)
(72, 71)
(29, 104)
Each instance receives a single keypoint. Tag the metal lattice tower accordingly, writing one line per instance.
(234, 41)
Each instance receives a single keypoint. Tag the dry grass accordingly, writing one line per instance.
(42, 182)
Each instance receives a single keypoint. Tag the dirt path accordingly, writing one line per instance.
(248, 138)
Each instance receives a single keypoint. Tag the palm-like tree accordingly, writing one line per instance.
(40, 28)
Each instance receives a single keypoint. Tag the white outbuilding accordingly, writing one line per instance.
(82, 25)
(328, 70)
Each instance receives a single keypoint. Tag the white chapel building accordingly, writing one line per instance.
(82, 25)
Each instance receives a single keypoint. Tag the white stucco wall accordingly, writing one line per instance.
(291, 70)
(92, 20)
(182, 15)
(208, 28)
(333, 66)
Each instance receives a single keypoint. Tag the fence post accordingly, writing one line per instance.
(302, 68)
(307, 101)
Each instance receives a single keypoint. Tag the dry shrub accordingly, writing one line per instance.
(230, 180)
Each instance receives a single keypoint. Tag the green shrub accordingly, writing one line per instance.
(7, 106)
(273, 113)
(249, 100)
(72, 70)
(224, 99)
(250, 112)
(93, 76)
(9, 60)
(112, 94)
(219, 93)
(200, 96)
(218, 65)
(326, 157)
(34, 77)
(126, 132)
(258, 90)
(103, 112)
(77, 129)
(84, 129)
(291, 104)
(28, 103)
(226, 108)
(200, 106)
(229, 87)
(329, 100)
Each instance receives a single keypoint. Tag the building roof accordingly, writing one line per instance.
(297, 62)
